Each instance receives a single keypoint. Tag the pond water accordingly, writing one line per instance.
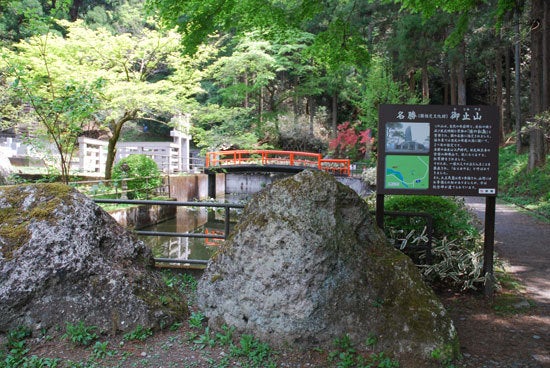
(194, 220)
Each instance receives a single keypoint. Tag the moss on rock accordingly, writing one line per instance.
(18, 211)
(306, 264)
(64, 259)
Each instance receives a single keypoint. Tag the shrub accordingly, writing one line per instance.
(144, 173)
(458, 264)
(451, 218)
(457, 247)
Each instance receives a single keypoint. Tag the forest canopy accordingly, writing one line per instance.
(286, 74)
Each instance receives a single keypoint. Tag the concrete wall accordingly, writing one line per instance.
(194, 187)
(220, 185)
(252, 183)
(249, 182)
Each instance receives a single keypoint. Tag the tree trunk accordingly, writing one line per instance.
(116, 128)
(498, 92)
(517, 63)
(312, 109)
(261, 105)
(73, 11)
(425, 84)
(334, 113)
(537, 148)
(508, 85)
(546, 56)
(295, 109)
(536, 57)
(453, 87)
(461, 78)
(412, 84)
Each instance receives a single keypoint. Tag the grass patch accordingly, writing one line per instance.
(511, 303)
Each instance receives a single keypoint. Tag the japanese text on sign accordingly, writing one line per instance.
(440, 150)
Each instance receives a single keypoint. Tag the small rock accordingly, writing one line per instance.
(143, 354)
(536, 337)
(522, 304)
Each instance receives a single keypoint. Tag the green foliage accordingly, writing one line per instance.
(100, 350)
(139, 333)
(347, 356)
(225, 337)
(205, 339)
(60, 101)
(185, 282)
(22, 19)
(196, 319)
(375, 88)
(257, 353)
(80, 334)
(217, 128)
(450, 216)
(444, 356)
(142, 172)
(529, 189)
(457, 247)
(457, 264)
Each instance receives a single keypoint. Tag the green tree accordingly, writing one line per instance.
(337, 47)
(60, 102)
(145, 76)
(142, 173)
(245, 73)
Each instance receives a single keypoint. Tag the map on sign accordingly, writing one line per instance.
(407, 172)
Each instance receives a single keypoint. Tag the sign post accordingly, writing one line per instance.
(441, 150)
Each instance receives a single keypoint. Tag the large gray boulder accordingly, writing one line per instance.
(306, 264)
(64, 259)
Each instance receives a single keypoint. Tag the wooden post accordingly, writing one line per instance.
(380, 210)
(489, 246)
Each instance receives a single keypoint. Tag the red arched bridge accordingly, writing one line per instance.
(273, 160)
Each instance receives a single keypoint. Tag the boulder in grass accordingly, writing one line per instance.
(306, 265)
(65, 260)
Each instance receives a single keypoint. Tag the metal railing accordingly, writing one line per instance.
(118, 188)
(227, 218)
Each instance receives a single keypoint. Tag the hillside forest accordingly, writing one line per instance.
(295, 74)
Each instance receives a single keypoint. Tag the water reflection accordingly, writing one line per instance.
(197, 220)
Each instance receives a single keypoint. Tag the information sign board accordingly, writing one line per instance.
(438, 150)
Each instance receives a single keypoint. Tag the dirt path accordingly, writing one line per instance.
(524, 242)
(512, 340)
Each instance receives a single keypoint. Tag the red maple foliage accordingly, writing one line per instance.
(350, 141)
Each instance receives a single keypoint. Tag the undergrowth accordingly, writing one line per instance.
(456, 257)
(517, 185)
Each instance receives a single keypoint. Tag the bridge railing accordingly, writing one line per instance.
(275, 157)
(336, 166)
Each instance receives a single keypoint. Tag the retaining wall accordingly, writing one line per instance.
(194, 187)
(254, 182)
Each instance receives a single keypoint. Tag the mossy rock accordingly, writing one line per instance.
(307, 264)
(63, 259)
